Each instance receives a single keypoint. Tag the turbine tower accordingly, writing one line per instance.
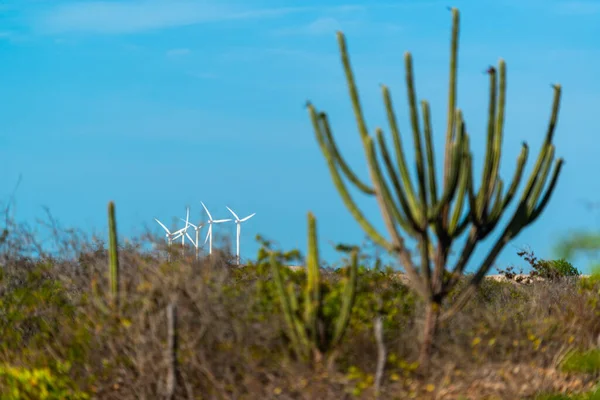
(210, 223)
(197, 242)
(187, 225)
(238, 222)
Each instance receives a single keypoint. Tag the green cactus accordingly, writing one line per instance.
(312, 334)
(423, 212)
(113, 255)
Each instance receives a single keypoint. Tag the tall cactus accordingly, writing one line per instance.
(423, 211)
(312, 334)
(113, 255)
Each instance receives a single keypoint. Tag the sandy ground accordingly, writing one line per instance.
(498, 278)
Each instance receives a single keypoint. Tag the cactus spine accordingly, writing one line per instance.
(310, 334)
(435, 218)
(113, 255)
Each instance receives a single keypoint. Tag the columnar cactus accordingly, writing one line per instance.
(312, 334)
(113, 255)
(422, 210)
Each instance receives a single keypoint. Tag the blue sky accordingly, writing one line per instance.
(159, 104)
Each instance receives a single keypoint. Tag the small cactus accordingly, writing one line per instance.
(311, 335)
(113, 252)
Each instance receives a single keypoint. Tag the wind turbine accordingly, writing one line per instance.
(197, 242)
(238, 222)
(187, 224)
(210, 223)
(171, 235)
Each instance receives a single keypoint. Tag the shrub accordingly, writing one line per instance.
(37, 384)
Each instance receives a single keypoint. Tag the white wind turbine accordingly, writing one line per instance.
(197, 242)
(238, 222)
(171, 235)
(187, 225)
(210, 223)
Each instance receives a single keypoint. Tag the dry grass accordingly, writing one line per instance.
(507, 344)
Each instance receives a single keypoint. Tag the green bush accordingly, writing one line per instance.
(561, 267)
(582, 361)
(37, 384)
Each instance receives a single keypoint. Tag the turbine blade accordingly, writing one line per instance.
(247, 218)
(161, 224)
(190, 238)
(177, 232)
(208, 233)
(189, 223)
(234, 214)
(221, 220)
(206, 209)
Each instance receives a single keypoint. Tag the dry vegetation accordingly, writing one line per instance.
(513, 341)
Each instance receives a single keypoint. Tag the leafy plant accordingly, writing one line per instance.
(582, 361)
(37, 384)
(545, 269)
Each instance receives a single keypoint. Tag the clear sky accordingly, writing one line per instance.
(159, 104)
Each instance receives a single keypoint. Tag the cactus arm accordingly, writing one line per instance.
(408, 222)
(300, 328)
(487, 180)
(456, 165)
(358, 114)
(368, 145)
(466, 252)
(382, 192)
(340, 160)
(383, 199)
(341, 187)
(517, 175)
(452, 87)
(285, 298)
(451, 123)
(312, 293)
(470, 190)
(453, 228)
(414, 121)
(538, 210)
(401, 160)
(496, 211)
(429, 152)
(539, 185)
(547, 140)
(348, 297)
(554, 114)
(421, 175)
(113, 254)
(500, 117)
